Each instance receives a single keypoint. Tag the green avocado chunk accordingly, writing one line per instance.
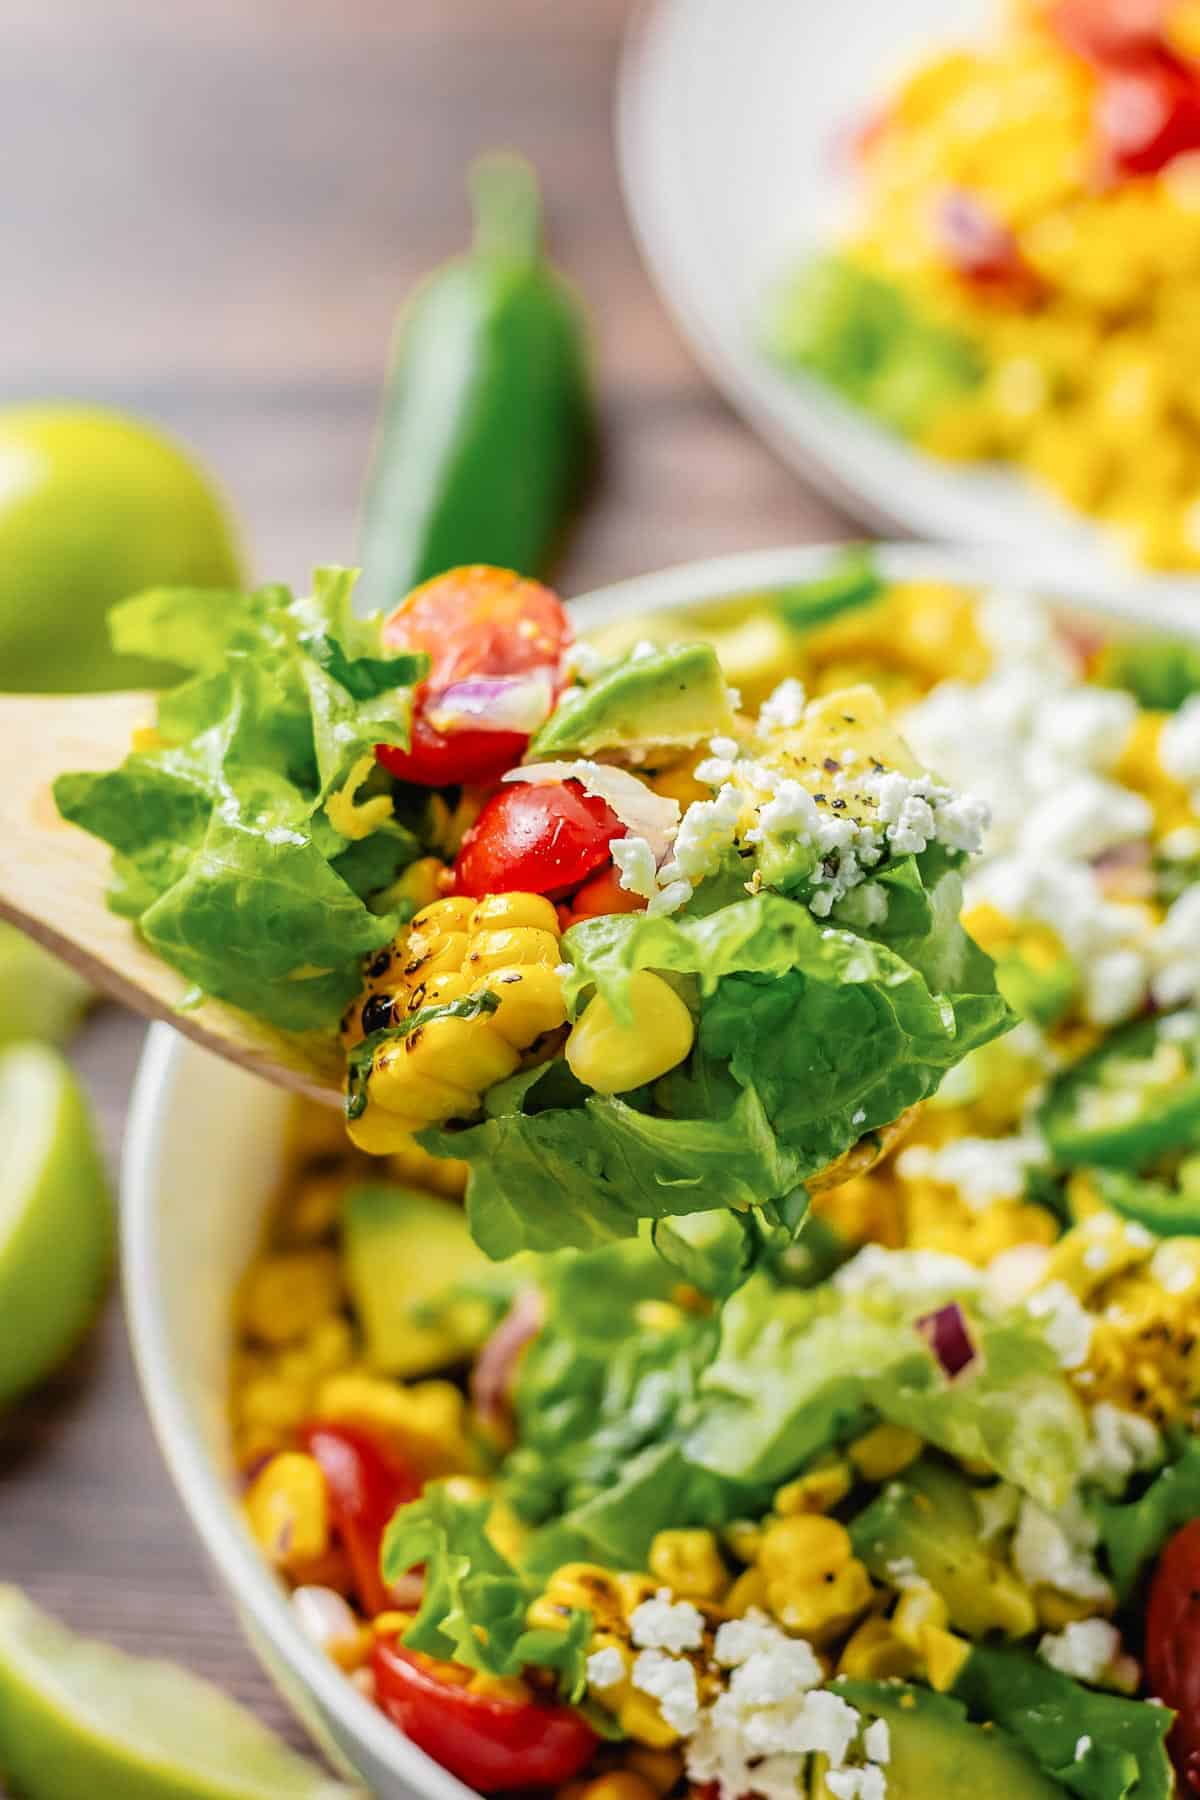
(927, 1522)
(672, 699)
(408, 1256)
(934, 1750)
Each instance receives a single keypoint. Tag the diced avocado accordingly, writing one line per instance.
(672, 699)
(927, 1522)
(935, 1750)
(407, 1256)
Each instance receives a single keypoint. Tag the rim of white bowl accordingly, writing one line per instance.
(206, 1495)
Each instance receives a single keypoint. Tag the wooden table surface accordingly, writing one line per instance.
(208, 211)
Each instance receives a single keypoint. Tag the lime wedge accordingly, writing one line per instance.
(55, 1215)
(40, 997)
(82, 1721)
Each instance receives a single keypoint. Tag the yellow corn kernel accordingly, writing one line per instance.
(514, 947)
(742, 1538)
(381, 1133)
(1055, 1609)
(825, 1609)
(505, 912)
(875, 1653)
(689, 1563)
(748, 1591)
(633, 1588)
(545, 1614)
(639, 1718)
(531, 1002)
(508, 1690)
(943, 1655)
(507, 1530)
(287, 1508)
(611, 1055)
(399, 1087)
(425, 1420)
(392, 1623)
(624, 1784)
(464, 1053)
(286, 1296)
(805, 1547)
(417, 886)
(883, 1452)
(272, 1405)
(450, 914)
(430, 953)
(586, 1587)
(816, 1492)
(916, 1608)
(661, 1768)
(453, 985)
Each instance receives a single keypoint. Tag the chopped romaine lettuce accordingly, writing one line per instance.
(1134, 1531)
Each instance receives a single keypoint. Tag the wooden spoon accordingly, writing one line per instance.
(53, 878)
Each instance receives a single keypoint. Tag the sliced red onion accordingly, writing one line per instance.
(493, 703)
(949, 1337)
(643, 813)
(492, 1376)
(1125, 872)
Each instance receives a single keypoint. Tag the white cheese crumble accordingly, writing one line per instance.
(1179, 745)
(1122, 1444)
(877, 1742)
(1088, 1649)
(917, 1275)
(666, 1624)
(1066, 1323)
(784, 708)
(1056, 1549)
(605, 1669)
(672, 1682)
(1082, 1746)
(857, 1784)
(636, 866)
(981, 1170)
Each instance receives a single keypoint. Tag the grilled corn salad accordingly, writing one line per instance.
(632, 948)
(1023, 282)
(908, 1503)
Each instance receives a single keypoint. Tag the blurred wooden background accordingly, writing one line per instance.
(208, 212)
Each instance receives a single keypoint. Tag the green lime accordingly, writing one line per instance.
(93, 507)
(82, 1721)
(55, 1215)
(40, 997)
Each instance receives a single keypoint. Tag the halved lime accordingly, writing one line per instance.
(40, 997)
(82, 1721)
(55, 1215)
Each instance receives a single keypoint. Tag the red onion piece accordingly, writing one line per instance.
(493, 703)
(949, 1337)
(1125, 871)
(980, 247)
(496, 1364)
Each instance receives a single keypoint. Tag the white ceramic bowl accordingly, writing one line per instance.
(202, 1156)
(732, 128)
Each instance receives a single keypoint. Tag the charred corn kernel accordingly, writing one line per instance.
(742, 1538)
(805, 1547)
(437, 991)
(287, 1295)
(382, 1133)
(943, 1655)
(426, 1421)
(689, 1563)
(624, 1784)
(1096, 1250)
(287, 1508)
(451, 914)
(530, 1002)
(748, 1591)
(430, 953)
(586, 1587)
(916, 1608)
(457, 1052)
(883, 1452)
(661, 1768)
(1055, 1609)
(612, 1055)
(507, 1690)
(875, 1653)
(816, 1492)
(399, 1085)
(507, 912)
(639, 1717)
(515, 947)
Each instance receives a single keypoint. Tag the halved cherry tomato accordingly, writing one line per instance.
(1173, 1646)
(536, 838)
(366, 1482)
(600, 895)
(1148, 113)
(490, 1744)
(475, 621)
(1108, 30)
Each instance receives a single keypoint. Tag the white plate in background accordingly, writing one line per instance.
(733, 121)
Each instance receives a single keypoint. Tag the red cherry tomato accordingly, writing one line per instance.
(981, 248)
(471, 622)
(1173, 1646)
(536, 838)
(1147, 113)
(1108, 30)
(600, 895)
(490, 1744)
(366, 1483)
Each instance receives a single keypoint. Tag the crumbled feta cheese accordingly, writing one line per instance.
(666, 1624)
(585, 662)
(1173, 1269)
(1179, 745)
(1082, 1746)
(1067, 1325)
(707, 830)
(1056, 1549)
(670, 898)
(790, 808)
(918, 1275)
(737, 1640)
(1115, 986)
(1175, 950)
(784, 708)
(857, 1784)
(1122, 1443)
(638, 870)
(1083, 817)
(982, 1170)
(672, 1682)
(877, 1741)
(605, 1669)
(1085, 1648)
(725, 747)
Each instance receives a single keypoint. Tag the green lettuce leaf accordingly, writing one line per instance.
(1134, 1531)
(474, 1601)
(809, 1037)
(224, 854)
(1160, 672)
(1052, 1715)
